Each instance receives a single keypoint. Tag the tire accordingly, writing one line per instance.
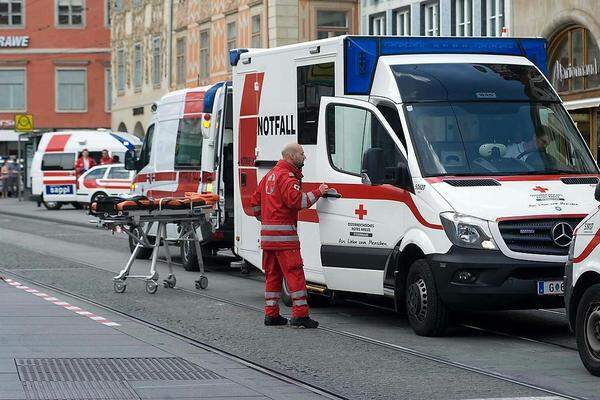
(96, 196)
(144, 253)
(285, 295)
(427, 314)
(188, 256)
(587, 329)
(52, 205)
(77, 206)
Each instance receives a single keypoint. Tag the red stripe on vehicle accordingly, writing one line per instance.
(58, 142)
(59, 173)
(251, 94)
(165, 176)
(589, 248)
(248, 183)
(510, 178)
(59, 182)
(247, 142)
(188, 181)
(194, 104)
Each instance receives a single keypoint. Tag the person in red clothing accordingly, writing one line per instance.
(106, 159)
(276, 203)
(84, 162)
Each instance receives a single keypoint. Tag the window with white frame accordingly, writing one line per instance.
(70, 12)
(377, 25)
(256, 30)
(180, 61)
(107, 89)
(120, 71)
(11, 13)
(156, 61)
(332, 23)
(231, 40)
(432, 19)
(137, 66)
(205, 53)
(71, 90)
(12, 87)
(402, 21)
(494, 10)
(463, 11)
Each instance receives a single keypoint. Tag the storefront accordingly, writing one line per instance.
(574, 70)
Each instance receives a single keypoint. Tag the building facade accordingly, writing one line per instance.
(62, 82)
(436, 17)
(195, 38)
(572, 28)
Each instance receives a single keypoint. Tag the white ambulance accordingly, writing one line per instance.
(456, 167)
(53, 176)
(179, 155)
(582, 288)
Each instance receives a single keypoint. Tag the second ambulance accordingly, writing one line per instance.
(459, 175)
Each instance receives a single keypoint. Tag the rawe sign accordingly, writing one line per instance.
(14, 41)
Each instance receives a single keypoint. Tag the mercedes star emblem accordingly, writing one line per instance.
(562, 234)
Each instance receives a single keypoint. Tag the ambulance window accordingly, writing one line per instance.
(146, 147)
(314, 81)
(391, 116)
(350, 132)
(58, 161)
(188, 148)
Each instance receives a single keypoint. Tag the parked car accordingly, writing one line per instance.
(104, 180)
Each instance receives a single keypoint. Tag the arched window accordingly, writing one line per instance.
(122, 127)
(574, 61)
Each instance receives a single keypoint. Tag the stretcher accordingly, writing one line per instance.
(136, 216)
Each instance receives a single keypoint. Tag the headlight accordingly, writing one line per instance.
(467, 231)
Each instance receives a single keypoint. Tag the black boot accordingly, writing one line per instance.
(304, 322)
(275, 321)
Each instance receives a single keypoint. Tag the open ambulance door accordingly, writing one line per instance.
(362, 158)
(223, 179)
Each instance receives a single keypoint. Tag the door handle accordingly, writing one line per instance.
(332, 193)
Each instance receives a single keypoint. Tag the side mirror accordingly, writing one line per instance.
(373, 170)
(130, 160)
(597, 192)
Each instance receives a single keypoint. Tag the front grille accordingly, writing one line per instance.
(534, 236)
(586, 180)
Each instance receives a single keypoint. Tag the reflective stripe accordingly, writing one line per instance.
(298, 294)
(293, 238)
(312, 198)
(278, 227)
(299, 303)
(304, 203)
(271, 303)
(272, 295)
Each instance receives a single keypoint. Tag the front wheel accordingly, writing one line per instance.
(188, 256)
(145, 252)
(76, 205)
(427, 314)
(587, 329)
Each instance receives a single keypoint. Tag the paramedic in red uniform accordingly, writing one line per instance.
(105, 159)
(276, 203)
(84, 162)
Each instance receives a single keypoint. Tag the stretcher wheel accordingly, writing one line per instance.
(202, 283)
(151, 286)
(119, 286)
(170, 282)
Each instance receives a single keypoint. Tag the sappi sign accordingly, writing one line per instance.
(14, 41)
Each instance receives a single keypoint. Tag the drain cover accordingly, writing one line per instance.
(79, 391)
(110, 370)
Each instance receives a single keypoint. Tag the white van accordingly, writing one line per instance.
(53, 176)
(179, 155)
(454, 161)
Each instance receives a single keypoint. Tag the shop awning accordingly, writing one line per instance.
(10, 136)
(583, 103)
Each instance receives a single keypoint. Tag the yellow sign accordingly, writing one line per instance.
(23, 122)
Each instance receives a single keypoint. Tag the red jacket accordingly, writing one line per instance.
(106, 160)
(79, 166)
(276, 203)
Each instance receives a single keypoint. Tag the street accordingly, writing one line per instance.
(362, 350)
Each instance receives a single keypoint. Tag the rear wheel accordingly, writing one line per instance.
(145, 252)
(427, 314)
(188, 256)
(77, 206)
(52, 205)
(587, 329)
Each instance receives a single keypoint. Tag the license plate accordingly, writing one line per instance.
(550, 288)
(59, 189)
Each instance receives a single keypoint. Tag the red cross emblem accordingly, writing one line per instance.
(540, 189)
(360, 211)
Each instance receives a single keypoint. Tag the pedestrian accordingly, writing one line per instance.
(13, 171)
(84, 162)
(4, 172)
(116, 159)
(276, 203)
(105, 159)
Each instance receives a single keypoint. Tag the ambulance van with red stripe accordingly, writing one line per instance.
(102, 181)
(582, 288)
(459, 176)
(178, 156)
(53, 176)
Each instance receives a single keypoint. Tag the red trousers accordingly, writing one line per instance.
(278, 264)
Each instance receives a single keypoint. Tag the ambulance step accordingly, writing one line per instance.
(313, 287)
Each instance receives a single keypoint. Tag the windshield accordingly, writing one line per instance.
(496, 138)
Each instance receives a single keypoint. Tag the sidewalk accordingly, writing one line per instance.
(56, 347)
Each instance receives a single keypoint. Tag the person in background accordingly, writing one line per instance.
(116, 159)
(84, 162)
(106, 159)
(4, 178)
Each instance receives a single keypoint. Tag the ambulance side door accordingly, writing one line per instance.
(145, 170)
(360, 228)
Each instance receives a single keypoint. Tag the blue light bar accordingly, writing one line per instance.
(362, 53)
(209, 97)
(234, 55)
